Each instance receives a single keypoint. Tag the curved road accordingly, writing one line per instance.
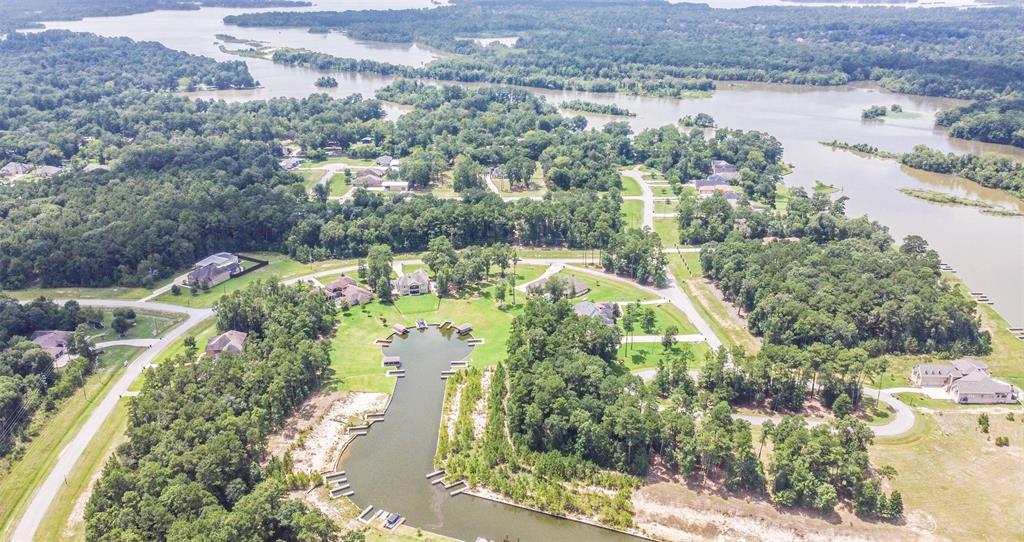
(47, 492)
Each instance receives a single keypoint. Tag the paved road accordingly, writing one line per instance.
(47, 492)
(142, 343)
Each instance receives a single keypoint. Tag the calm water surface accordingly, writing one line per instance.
(986, 250)
(387, 468)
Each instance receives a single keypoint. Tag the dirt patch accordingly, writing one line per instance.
(316, 433)
(480, 408)
(670, 510)
(78, 512)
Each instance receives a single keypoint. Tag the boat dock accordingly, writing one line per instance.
(363, 517)
(391, 361)
(398, 373)
(435, 473)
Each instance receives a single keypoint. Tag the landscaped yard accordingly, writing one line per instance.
(357, 162)
(668, 230)
(148, 325)
(356, 360)
(537, 187)
(606, 289)
(52, 433)
(281, 267)
(663, 191)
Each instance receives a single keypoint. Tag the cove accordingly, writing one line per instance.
(387, 468)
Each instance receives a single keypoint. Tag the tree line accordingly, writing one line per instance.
(995, 121)
(664, 48)
(197, 431)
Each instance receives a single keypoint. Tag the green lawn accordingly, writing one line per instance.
(605, 289)
(782, 195)
(630, 187)
(56, 522)
(52, 432)
(281, 267)
(148, 325)
(684, 265)
(729, 330)
(115, 292)
(310, 177)
(356, 360)
(663, 191)
(666, 314)
(666, 205)
(339, 184)
(668, 230)
(632, 213)
(646, 355)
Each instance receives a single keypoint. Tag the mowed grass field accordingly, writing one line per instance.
(356, 360)
(647, 355)
(953, 477)
(665, 314)
(607, 289)
(148, 325)
(53, 431)
(633, 213)
(629, 187)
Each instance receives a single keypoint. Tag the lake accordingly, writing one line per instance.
(986, 250)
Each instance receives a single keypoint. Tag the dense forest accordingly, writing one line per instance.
(994, 121)
(28, 379)
(842, 282)
(196, 432)
(663, 48)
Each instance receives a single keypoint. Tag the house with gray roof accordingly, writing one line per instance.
(415, 283)
(46, 171)
(345, 289)
(967, 380)
(213, 270)
(384, 161)
(15, 168)
(719, 167)
(368, 180)
(289, 164)
(605, 311)
(55, 343)
(575, 286)
(232, 342)
(95, 167)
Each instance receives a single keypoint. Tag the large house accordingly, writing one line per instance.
(53, 342)
(724, 169)
(415, 283)
(213, 270)
(605, 311)
(232, 342)
(368, 179)
(967, 381)
(345, 288)
(290, 163)
(15, 168)
(575, 286)
(46, 171)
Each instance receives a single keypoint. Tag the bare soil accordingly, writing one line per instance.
(315, 433)
(667, 509)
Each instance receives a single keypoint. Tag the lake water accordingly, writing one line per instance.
(387, 468)
(986, 250)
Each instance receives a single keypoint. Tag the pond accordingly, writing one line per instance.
(387, 468)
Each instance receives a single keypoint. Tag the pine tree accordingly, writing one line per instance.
(895, 504)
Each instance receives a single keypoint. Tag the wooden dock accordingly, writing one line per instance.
(435, 473)
(363, 515)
